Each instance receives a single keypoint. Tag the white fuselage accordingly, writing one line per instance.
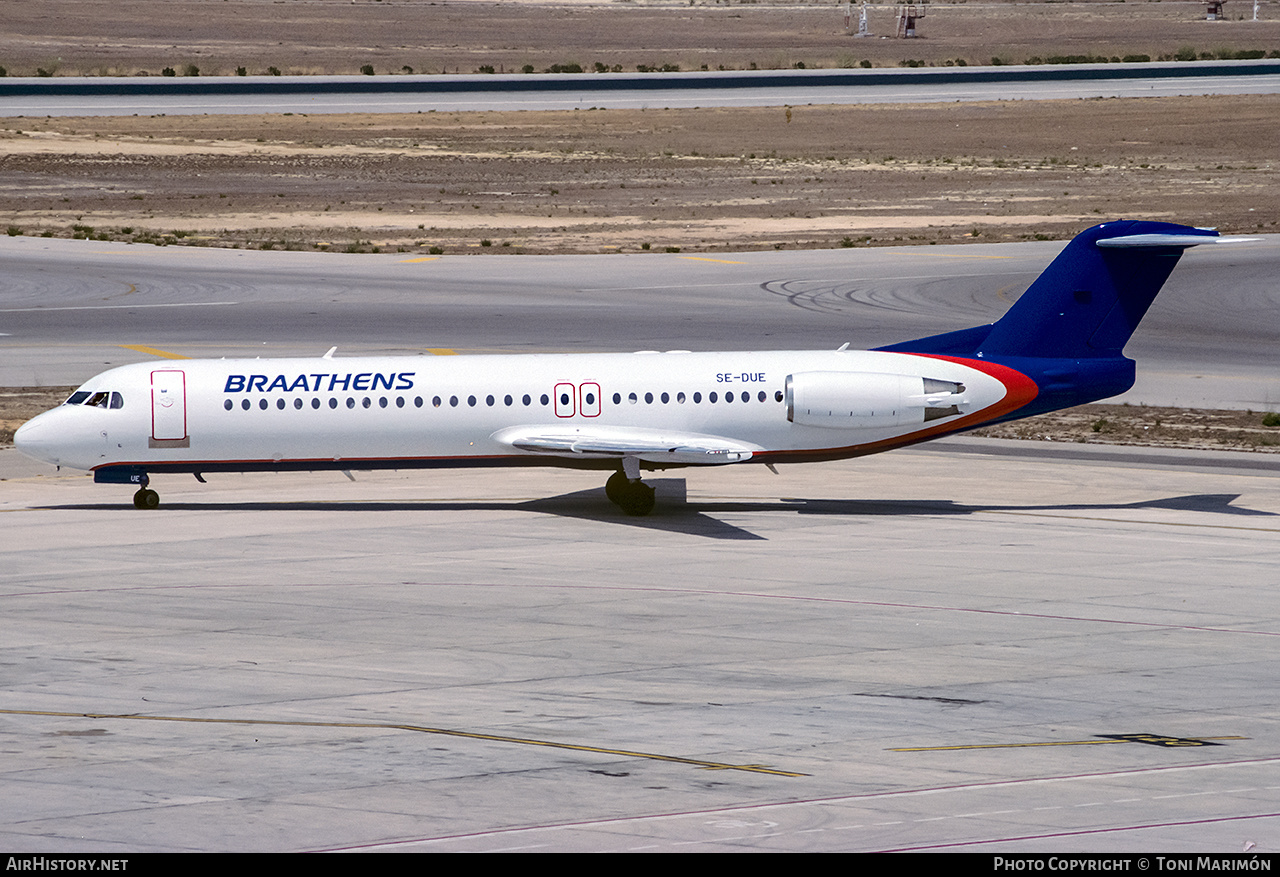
(674, 408)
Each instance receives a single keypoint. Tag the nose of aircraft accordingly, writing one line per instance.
(35, 438)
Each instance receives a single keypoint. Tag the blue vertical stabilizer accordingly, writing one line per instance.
(1089, 300)
(1067, 332)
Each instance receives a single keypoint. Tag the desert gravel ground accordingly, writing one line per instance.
(624, 180)
(608, 181)
(128, 37)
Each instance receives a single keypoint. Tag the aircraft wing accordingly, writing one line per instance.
(650, 445)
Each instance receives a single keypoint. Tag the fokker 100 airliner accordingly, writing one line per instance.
(1059, 345)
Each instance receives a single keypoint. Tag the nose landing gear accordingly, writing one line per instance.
(145, 498)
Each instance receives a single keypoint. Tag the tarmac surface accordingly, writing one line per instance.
(70, 309)
(920, 650)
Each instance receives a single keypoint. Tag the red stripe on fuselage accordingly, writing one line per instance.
(1019, 391)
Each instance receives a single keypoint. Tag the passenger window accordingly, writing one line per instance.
(488, 400)
(315, 403)
(244, 403)
(227, 405)
(333, 403)
(297, 403)
(680, 398)
(280, 404)
(262, 403)
(526, 400)
(507, 400)
(365, 402)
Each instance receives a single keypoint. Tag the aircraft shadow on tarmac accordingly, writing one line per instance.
(675, 513)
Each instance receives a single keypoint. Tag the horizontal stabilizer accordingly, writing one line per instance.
(1169, 240)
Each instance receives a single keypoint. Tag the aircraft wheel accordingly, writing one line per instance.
(616, 488)
(146, 499)
(638, 500)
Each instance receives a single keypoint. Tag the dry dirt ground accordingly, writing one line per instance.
(604, 181)
(128, 37)
(622, 180)
(1086, 424)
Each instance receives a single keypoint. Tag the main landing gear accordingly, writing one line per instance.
(627, 491)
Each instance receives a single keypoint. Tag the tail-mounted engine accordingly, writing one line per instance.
(862, 400)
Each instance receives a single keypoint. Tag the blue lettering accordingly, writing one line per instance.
(364, 381)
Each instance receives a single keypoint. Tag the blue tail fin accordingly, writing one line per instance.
(1087, 303)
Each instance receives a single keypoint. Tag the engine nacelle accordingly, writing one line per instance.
(869, 400)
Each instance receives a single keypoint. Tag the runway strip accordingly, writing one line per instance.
(94, 96)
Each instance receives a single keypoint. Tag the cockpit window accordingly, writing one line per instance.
(98, 399)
